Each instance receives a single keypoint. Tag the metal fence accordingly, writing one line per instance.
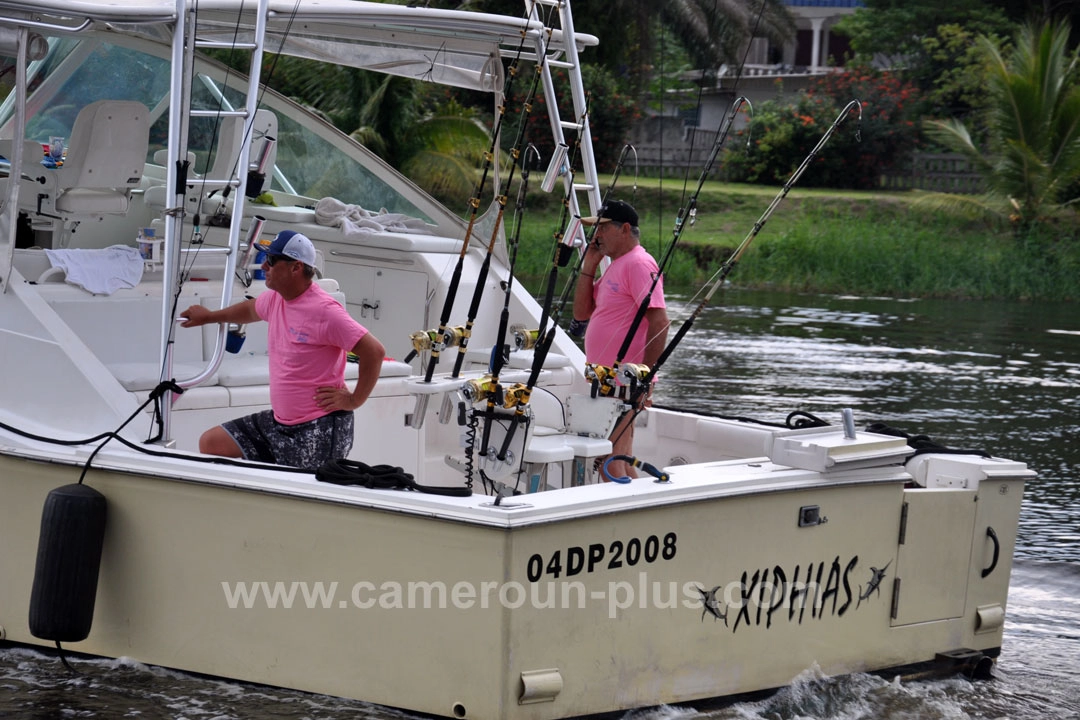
(935, 172)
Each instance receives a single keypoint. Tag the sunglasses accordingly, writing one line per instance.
(272, 260)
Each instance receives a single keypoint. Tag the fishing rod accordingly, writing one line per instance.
(689, 210)
(517, 396)
(644, 379)
(441, 337)
(603, 377)
(566, 232)
(562, 258)
(520, 394)
(500, 198)
(489, 387)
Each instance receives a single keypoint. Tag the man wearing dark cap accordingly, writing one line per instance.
(309, 333)
(610, 302)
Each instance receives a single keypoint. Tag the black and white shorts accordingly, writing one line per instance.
(307, 445)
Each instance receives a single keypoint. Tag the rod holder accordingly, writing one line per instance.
(252, 240)
(849, 423)
(556, 167)
(264, 154)
(36, 46)
(574, 237)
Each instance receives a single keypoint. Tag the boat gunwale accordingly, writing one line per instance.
(554, 506)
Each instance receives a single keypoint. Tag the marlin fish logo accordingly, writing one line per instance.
(711, 605)
(876, 576)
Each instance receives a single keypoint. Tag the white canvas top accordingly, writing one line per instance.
(456, 48)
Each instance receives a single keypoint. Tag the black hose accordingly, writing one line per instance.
(379, 477)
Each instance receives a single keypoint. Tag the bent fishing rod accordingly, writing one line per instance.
(688, 210)
(439, 341)
(728, 265)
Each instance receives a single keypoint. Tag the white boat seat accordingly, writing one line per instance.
(105, 160)
(161, 157)
(542, 452)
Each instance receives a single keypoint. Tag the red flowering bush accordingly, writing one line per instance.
(782, 134)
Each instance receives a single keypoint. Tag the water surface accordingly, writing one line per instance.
(1000, 377)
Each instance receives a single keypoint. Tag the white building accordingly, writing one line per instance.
(814, 50)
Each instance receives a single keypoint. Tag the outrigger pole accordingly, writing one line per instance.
(441, 338)
(725, 269)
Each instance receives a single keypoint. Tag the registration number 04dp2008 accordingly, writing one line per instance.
(577, 559)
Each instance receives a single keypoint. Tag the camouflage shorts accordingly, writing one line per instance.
(307, 445)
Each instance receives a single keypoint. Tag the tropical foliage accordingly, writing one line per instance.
(781, 133)
(611, 114)
(712, 31)
(1031, 164)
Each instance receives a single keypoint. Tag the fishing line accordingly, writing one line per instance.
(188, 262)
(517, 151)
(440, 340)
(688, 208)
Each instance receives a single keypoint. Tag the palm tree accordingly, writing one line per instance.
(1033, 162)
(437, 146)
(713, 32)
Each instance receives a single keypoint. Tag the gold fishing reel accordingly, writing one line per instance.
(517, 395)
(425, 340)
(524, 338)
(633, 373)
(632, 376)
(480, 389)
(602, 378)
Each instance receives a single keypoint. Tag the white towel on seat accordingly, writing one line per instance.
(354, 219)
(101, 272)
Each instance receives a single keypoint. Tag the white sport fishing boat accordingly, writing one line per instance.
(531, 589)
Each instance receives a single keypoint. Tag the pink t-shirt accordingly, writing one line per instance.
(307, 337)
(618, 295)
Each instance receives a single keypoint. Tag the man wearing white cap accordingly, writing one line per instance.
(308, 336)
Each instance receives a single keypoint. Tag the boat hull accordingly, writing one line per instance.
(672, 598)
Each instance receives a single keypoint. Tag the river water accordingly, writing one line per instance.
(1001, 377)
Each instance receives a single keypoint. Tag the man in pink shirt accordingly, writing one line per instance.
(309, 333)
(610, 302)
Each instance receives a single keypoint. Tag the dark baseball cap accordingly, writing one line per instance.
(613, 211)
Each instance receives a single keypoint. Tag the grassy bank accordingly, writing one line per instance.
(830, 242)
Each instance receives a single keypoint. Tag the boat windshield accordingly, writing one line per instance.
(313, 161)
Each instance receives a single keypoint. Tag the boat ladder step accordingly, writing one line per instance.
(218, 113)
(223, 45)
(564, 55)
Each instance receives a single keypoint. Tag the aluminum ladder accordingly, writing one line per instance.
(185, 43)
(583, 181)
